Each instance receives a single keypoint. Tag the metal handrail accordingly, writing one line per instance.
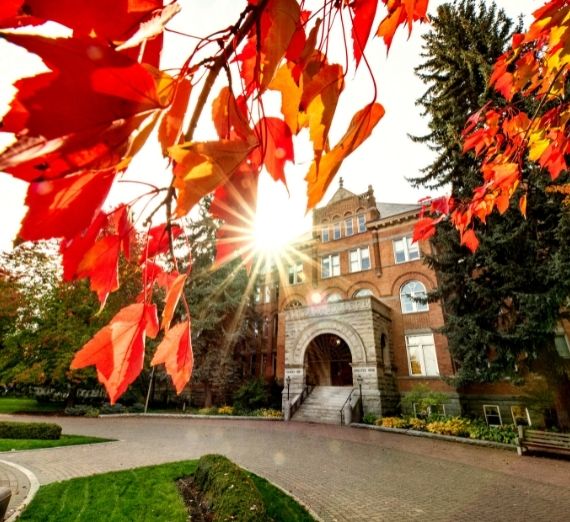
(295, 404)
(344, 404)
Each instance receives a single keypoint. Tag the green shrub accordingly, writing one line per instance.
(505, 434)
(29, 430)
(228, 490)
(81, 410)
(212, 410)
(137, 407)
(369, 418)
(424, 399)
(268, 413)
(115, 408)
(251, 395)
(225, 410)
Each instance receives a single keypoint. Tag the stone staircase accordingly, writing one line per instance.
(323, 405)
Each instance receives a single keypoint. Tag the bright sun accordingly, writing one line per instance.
(279, 220)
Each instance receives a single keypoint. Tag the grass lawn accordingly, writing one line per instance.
(18, 405)
(64, 440)
(140, 494)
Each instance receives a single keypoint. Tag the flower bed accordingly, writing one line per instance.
(454, 426)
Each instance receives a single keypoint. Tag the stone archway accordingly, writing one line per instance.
(328, 362)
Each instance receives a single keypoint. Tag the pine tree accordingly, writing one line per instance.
(501, 303)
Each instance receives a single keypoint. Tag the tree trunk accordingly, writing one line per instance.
(72, 396)
(562, 402)
(207, 395)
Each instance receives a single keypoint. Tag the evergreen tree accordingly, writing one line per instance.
(501, 304)
(222, 316)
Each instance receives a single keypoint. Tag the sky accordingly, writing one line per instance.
(384, 161)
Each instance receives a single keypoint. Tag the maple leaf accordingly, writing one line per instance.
(469, 239)
(279, 22)
(170, 128)
(276, 146)
(203, 166)
(401, 12)
(117, 350)
(158, 240)
(81, 114)
(175, 351)
(424, 228)
(362, 124)
(172, 298)
(364, 12)
(64, 207)
(230, 117)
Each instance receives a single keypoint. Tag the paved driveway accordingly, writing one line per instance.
(340, 473)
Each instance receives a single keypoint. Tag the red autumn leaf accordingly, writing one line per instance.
(469, 239)
(73, 250)
(81, 114)
(230, 117)
(424, 228)
(401, 12)
(117, 350)
(201, 167)
(170, 128)
(64, 207)
(101, 264)
(112, 20)
(279, 22)
(362, 124)
(276, 146)
(158, 240)
(171, 301)
(175, 351)
(364, 12)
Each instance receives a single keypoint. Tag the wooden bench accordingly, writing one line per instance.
(542, 441)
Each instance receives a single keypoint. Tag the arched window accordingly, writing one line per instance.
(412, 297)
(363, 292)
(333, 298)
(294, 304)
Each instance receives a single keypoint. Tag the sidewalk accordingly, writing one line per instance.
(22, 483)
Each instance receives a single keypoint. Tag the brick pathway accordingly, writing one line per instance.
(340, 473)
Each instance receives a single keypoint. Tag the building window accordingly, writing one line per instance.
(359, 259)
(296, 275)
(257, 295)
(330, 266)
(325, 234)
(492, 415)
(361, 223)
(334, 298)
(520, 415)
(336, 230)
(348, 228)
(421, 355)
(267, 294)
(411, 296)
(363, 292)
(561, 344)
(405, 250)
(294, 304)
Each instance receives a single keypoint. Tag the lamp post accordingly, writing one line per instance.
(288, 380)
(359, 380)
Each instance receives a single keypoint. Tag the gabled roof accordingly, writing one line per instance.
(393, 209)
(341, 194)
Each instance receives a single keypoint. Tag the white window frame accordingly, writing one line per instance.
(406, 248)
(526, 414)
(335, 297)
(361, 218)
(348, 227)
(497, 414)
(422, 351)
(325, 234)
(267, 294)
(409, 298)
(337, 233)
(334, 268)
(358, 262)
(296, 274)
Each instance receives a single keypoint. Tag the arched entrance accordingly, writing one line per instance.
(328, 361)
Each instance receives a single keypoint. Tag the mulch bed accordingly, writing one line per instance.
(198, 509)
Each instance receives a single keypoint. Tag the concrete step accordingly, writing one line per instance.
(323, 405)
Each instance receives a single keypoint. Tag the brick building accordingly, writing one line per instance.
(341, 310)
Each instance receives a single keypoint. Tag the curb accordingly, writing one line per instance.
(34, 486)
(191, 416)
(437, 436)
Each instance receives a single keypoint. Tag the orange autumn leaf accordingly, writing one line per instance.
(364, 12)
(319, 178)
(203, 166)
(170, 128)
(276, 146)
(117, 350)
(229, 117)
(171, 301)
(401, 12)
(175, 351)
(469, 239)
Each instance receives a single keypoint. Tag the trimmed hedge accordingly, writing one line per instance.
(29, 430)
(228, 490)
